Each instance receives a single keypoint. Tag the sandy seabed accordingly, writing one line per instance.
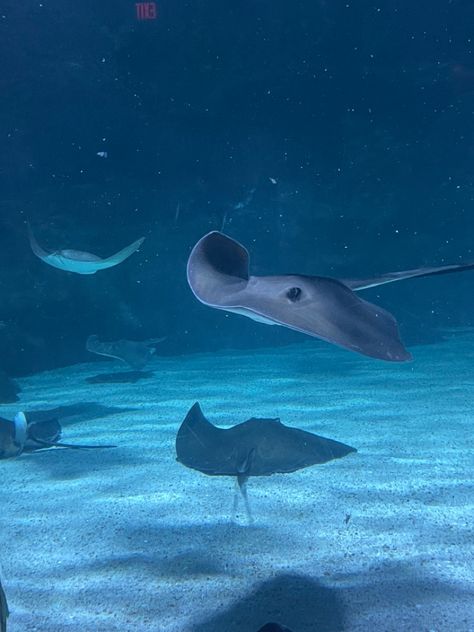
(127, 539)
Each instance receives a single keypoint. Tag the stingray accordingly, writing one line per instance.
(323, 307)
(134, 353)
(256, 447)
(4, 612)
(23, 435)
(274, 627)
(79, 261)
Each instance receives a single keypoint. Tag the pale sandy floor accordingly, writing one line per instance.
(130, 540)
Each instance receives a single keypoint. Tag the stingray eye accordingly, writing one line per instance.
(294, 294)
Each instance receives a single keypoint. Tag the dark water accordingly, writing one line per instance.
(329, 137)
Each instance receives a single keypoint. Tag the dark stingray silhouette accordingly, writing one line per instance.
(218, 274)
(25, 435)
(274, 627)
(4, 612)
(256, 447)
(134, 353)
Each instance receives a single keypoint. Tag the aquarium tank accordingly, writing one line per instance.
(237, 316)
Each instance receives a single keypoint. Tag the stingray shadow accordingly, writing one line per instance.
(127, 377)
(301, 603)
(182, 566)
(63, 464)
(377, 599)
(76, 413)
(207, 538)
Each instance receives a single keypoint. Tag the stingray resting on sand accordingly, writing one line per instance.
(22, 435)
(78, 261)
(256, 447)
(134, 353)
(218, 274)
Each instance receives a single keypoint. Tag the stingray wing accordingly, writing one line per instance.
(119, 256)
(277, 448)
(203, 447)
(35, 247)
(391, 277)
(326, 309)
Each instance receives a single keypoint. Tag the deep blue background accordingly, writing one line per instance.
(329, 137)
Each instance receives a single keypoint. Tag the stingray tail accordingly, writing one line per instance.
(72, 446)
(242, 484)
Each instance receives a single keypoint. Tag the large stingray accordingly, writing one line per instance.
(256, 447)
(78, 261)
(134, 353)
(23, 435)
(218, 274)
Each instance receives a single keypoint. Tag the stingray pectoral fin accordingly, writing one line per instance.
(35, 247)
(391, 277)
(119, 256)
(324, 308)
(216, 262)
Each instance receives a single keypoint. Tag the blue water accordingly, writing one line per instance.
(330, 138)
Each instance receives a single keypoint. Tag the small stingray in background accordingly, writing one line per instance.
(4, 612)
(274, 627)
(327, 308)
(135, 353)
(21, 435)
(9, 389)
(256, 447)
(129, 377)
(78, 261)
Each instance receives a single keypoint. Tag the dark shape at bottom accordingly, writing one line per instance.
(274, 627)
(4, 612)
(303, 603)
